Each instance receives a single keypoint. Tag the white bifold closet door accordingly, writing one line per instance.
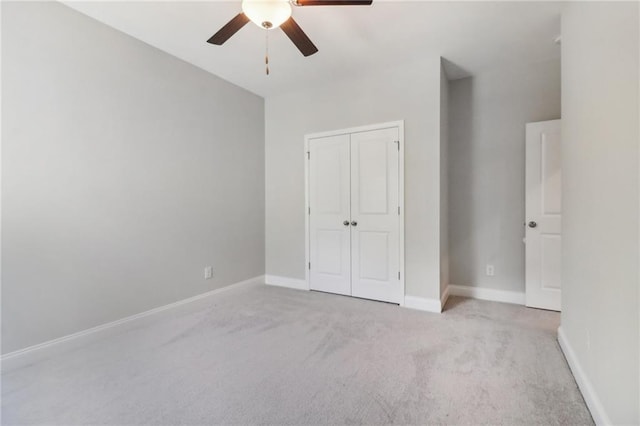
(354, 218)
(330, 212)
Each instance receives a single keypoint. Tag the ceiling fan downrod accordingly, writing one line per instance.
(266, 55)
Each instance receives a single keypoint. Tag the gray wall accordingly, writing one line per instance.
(410, 93)
(487, 116)
(125, 171)
(444, 180)
(600, 139)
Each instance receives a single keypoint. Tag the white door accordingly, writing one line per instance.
(329, 215)
(375, 252)
(543, 215)
(354, 222)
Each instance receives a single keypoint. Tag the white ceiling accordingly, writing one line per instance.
(473, 36)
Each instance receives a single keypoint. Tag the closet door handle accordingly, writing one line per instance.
(345, 223)
(354, 223)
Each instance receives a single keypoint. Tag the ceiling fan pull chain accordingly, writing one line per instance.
(266, 56)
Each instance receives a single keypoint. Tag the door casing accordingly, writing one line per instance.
(399, 124)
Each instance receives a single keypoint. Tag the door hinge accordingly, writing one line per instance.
(398, 274)
(308, 155)
(309, 210)
(398, 142)
(309, 265)
(398, 210)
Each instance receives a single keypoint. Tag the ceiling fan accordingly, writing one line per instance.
(271, 14)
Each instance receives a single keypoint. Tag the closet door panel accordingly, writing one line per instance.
(375, 254)
(329, 202)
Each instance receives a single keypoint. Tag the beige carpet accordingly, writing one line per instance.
(263, 355)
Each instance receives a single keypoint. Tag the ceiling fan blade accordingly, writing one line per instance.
(332, 2)
(298, 37)
(229, 29)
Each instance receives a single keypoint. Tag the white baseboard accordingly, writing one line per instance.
(16, 358)
(589, 394)
(295, 283)
(426, 304)
(444, 298)
(482, 293)
(422, 304)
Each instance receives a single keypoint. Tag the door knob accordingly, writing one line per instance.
(532, 224)
(345, 223)
(354, 223)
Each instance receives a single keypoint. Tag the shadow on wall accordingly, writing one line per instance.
(461, 182)
(454, 71)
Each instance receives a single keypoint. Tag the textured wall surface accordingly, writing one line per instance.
(600, 195)
(410, 93)
(487, 117)
(125, 172)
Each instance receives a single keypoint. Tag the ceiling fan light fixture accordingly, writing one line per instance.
(267, 14)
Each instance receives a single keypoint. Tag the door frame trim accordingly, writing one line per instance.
(399, 124)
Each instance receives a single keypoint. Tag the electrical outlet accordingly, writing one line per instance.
(490, 270)
(208, 273)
